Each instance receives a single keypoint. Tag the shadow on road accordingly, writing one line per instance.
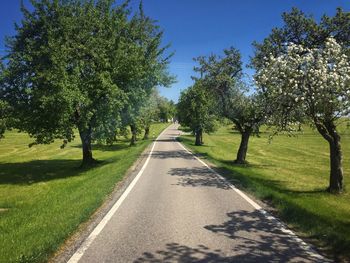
(198, 177)
(260, 239)
(181, 154)
(165, 140)
(175, 252)
(256, 240)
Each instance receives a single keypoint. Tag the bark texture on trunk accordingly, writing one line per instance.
(336, 173)
(329, 132)
(133, 134)
(243, 148)
(85, 136)
(146, 135)
(199, 135)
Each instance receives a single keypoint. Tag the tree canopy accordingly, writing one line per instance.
(303, 72)
(81, 64)
(223, 78)
(196, 110)
(301, 29)
(316, 83)
(3, 105)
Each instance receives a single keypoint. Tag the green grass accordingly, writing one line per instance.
(291, 174)
(45, 196)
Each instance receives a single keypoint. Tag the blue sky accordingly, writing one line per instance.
(201, 27)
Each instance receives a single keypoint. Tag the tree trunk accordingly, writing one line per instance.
(329, 132)
(336, 173)
(243, 148)
(146, 136)
(133, 135)
(198, 137)
(85, 136)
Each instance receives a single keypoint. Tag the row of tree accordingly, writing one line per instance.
(89, 65)
(302, 75)
(155, 109)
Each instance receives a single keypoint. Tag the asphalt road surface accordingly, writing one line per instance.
(181, 211)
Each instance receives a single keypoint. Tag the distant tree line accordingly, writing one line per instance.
(89, 65)
(302, 75)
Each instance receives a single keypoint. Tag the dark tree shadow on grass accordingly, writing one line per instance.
(245, 165)
(106, 147)
(40, 171)
(188, 139)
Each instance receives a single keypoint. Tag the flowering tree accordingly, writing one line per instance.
(314, 82)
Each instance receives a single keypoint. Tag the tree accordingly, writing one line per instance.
(222, 77)
(303, 30)
(149, 113)
(167, 109)
(248, 113)
(3, 117)
(315, 81)
(196, 110)
(300, 29)
(152, 68)
(77, 64)
(4, 108)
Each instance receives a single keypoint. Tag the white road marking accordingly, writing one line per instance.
(279, 224)
(85, 245)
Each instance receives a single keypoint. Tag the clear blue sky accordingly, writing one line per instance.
(201, 27)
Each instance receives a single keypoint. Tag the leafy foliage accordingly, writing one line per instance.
(303, 71)
(316, 80)
(166, 109)
(196, 109)
(152, 66)
(4, 108)
(3, 117)
(223, 78)
(300, 29)
(81, 64)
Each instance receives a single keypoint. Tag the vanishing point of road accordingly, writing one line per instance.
(179, 210)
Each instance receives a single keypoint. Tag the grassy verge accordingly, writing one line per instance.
(44, 195)
(291, 174)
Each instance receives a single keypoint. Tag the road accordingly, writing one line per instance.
(180, 211)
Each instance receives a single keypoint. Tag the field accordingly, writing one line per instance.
(291, 175)
(44, 195)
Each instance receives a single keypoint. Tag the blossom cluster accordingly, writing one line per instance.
(317, 80)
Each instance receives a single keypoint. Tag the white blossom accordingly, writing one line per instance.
(322, 75)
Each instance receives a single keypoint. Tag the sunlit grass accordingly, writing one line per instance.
(44, 195)
(291, 173)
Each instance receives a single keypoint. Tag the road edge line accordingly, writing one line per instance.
(309, 250)
(97, 230)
